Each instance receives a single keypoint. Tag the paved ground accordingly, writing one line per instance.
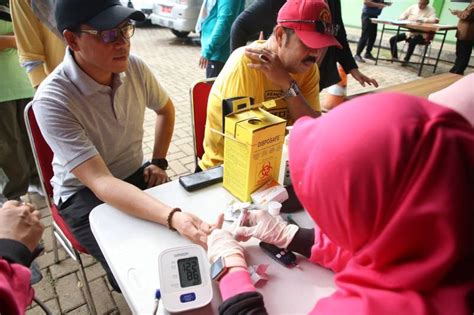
(175, 64)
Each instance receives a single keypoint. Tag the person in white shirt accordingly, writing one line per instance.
(421, 12)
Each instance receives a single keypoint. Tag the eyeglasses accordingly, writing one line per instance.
(319, 26)
(110, 36)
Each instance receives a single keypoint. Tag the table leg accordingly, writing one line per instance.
(423, 60)
(380, 44)
(440, 49)
(396, 44)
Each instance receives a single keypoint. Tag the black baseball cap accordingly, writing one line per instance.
(100, 14)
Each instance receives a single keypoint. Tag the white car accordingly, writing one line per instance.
(180, 16)
(146, 6)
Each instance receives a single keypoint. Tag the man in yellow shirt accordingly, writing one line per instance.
(282, 66)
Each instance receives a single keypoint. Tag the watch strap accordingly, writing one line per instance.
(161, 163)
(227, 263)
(235, 261)
(294, 90)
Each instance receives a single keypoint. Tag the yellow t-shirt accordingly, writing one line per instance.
(238, 80)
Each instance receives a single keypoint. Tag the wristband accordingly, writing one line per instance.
(170, 217)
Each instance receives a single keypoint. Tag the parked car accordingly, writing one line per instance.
(146, 6)
(180, 16)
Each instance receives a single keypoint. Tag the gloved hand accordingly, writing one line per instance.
(221, 243)
(267, 228)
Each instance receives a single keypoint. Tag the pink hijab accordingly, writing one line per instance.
(390, 178)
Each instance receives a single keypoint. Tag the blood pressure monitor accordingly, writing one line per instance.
(185, 282)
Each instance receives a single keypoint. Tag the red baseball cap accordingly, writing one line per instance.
(311, 20)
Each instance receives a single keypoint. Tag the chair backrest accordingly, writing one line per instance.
(41, 151)
(43, 156)
(199, 94)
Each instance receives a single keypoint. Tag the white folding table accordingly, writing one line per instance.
(131, 247)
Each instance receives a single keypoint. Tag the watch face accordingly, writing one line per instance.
(217, 268)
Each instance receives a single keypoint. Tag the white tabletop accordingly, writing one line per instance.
(131, 247)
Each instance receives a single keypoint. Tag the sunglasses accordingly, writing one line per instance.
(319, 26)
(110, 36)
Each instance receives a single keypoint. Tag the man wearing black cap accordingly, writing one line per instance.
(91, 113)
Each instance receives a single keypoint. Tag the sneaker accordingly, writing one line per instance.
(405, 63)
(358, 58)
(36, 275)
(34, 188)
(369, 56)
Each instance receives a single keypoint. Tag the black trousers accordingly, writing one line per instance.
(463, 55)
(368, 35)
(412, 42)
(75, 212)
(16, 158)
(214, 68)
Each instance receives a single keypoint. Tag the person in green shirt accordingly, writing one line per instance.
(16, 159)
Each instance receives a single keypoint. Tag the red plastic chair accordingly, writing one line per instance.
(199, 94)
(43, 158)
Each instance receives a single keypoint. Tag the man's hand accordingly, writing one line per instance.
(155, 176)
(362, 79)
(203, 62)
(193, 228)
(21, 222)
(269, 63)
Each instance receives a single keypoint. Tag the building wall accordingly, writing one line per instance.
(352, 9)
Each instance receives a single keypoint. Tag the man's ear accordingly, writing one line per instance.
(71, 40)
(280, 35)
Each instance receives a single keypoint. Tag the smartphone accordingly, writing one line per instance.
(202, 179)
(282, 256)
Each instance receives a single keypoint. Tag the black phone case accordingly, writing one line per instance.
(202, 179)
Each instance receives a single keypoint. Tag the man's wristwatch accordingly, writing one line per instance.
(161, 163)
(221, 266)
(293, 91)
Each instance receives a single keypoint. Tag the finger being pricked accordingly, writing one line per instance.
(198, 237)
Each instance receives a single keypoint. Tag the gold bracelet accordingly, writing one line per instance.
(170, 217)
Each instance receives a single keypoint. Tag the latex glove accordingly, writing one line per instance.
(267, 228)
(221, 243)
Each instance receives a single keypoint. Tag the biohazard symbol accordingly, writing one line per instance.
(266, 170)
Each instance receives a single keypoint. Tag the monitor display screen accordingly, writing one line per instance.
(189, 273)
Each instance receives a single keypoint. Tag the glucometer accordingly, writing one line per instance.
(185, 282)
(282, 256)
(202, 179)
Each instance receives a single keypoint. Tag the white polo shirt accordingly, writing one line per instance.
(80, 118)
